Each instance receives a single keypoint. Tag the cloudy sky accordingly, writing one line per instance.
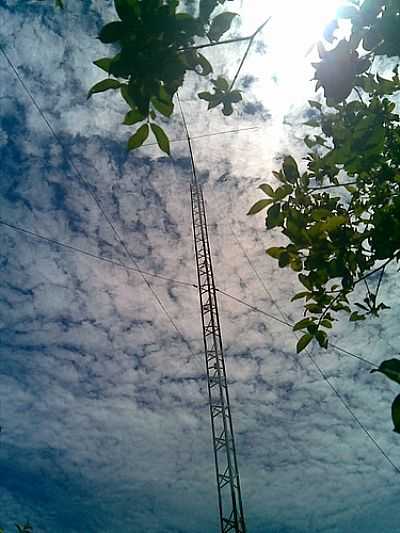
(103, 405)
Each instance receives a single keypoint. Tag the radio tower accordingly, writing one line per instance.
(226, 467)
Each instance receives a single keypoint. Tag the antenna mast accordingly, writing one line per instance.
(226, 467)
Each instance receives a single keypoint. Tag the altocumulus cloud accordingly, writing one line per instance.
(103, 401)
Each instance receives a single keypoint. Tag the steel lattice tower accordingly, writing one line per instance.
(226, 467)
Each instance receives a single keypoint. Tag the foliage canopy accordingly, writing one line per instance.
(340, 214)
(157, 46)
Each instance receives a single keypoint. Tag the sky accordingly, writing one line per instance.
(103, 399)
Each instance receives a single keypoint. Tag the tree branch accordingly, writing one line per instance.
(382, 267)
(258, 30)
(218, 43)
(332, 186)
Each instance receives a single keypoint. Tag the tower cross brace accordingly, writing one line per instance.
(226, 466)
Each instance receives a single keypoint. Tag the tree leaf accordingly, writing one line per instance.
(290, 169)
(220, 25)
(332, 223)
(356, 317)
(132, 117)
(204, 64)
(299, 296)
(303, 324)
(163, 107)
(126, 95)
(104, 85)
(396, 414)
(305, 280)
(275, 251)
(112, 32)
(162, 139)
(235, 96)
(284, 259)
(104, 63)
(303, 342)
(390, 368)
(139, 137)
(274, 216)
(259, 206)
(322, 338)
(269, 191)
(227, 109)
(221, 83)
(208, 97)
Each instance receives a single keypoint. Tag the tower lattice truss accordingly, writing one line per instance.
(226, 466)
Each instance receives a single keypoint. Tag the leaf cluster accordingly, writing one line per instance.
(223, 94)
(341, 215)
(156, 48)
(375, 32)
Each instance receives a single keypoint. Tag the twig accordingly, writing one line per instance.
(380, 280)
(374, 271)
(258, 30)
(333, 186)
(218, 43)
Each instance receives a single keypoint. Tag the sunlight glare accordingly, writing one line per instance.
(290, 39)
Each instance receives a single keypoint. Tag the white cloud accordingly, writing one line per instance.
(101, 395)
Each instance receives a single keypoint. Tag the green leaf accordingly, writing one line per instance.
(208, 97)
(104, 63)
(205, 65)
(396, 414)
(274, 216)
(390, 368)
(290, 169)
(165, 108)
(299, 296)
(283, 191)
(326, 323)
(332, 223)
(235, 96)
(356, 317)
(303, 342)
(220, 25)
(259, 206)
(162, 139)
(322, 338)
(132, 117)
(126, 95)
(60, 4)
(284, 259)
(112, 32)
(275, 251)
(303, 324)
(221, 83)
(104, 85)
(314, 308)
(269, 191)
(139, 137)
(296, 263)
(319, 214)
(304, 280)
(227, 109)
